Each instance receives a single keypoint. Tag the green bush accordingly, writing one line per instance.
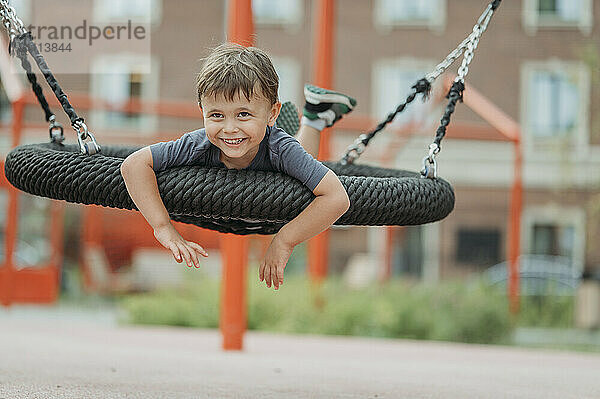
(547, 311)
(196, 305)
(447, 311)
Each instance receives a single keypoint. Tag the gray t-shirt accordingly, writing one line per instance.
(278, 151)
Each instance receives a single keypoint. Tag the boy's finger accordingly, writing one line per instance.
(268, 276)
(276, 279)
(198, 248)
(193, 255)
(261, 271)
(185, 254)
(280, 275)
(175, 251)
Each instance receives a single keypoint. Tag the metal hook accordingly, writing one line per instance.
(56, 130)
(89, 148)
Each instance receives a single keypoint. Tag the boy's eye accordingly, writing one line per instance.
(244, 114)
(215, 115)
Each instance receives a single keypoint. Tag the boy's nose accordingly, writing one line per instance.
(230, 127)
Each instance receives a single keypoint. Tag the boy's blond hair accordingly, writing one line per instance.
(231, 70)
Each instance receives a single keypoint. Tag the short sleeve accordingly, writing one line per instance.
(296, 162)
(180, 152)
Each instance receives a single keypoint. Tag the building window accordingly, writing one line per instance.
(556, 103)
(479, 247)
(278, 12)
(553, 102)
(555, 231)
(288, 71)
(553, 239)
(138, 11)
(393, 81)
(121, 79)
(558, 14)
(410, 13)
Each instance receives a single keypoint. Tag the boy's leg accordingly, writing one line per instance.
(322, 109)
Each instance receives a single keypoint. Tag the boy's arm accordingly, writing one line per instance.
(330, 203)
(141, 184)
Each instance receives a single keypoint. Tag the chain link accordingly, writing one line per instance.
(478, 30)
(450, 58)
(13, 24)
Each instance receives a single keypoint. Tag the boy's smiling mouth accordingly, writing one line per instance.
(233, 141)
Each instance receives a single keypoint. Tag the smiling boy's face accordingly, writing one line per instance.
(238, 126)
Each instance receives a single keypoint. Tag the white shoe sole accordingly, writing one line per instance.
(327, 98)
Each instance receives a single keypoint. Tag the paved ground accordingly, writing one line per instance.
(57, 358)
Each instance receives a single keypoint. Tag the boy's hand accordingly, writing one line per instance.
(179, 247)
(271, 268)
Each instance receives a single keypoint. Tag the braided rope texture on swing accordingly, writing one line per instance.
(288, 118)
(227, 200)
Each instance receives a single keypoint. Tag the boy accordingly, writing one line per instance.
(237, 94)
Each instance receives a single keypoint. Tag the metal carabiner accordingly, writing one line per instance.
(354, 151)
(429, 170)
(89, 148)
(56, 131)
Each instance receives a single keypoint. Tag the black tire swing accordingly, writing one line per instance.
(227, 200)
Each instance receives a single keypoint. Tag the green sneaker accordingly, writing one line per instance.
(326, 104)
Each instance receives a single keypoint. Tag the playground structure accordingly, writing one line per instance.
(235, 249)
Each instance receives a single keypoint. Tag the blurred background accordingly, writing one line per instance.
(536, 72)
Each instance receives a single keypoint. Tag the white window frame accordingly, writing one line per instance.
(577, 142)
(420, 111)
(102, 13)
(289, 71)
(293, 21)
(561, 216)
(146, 123)
(384, 23)
(532, 21)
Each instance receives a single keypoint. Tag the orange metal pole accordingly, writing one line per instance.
(235, 248)
(6, 290)
(233, 320)
(318, 247)
(240, 25)
(515, 230)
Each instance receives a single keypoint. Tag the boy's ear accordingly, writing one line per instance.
(275, 109)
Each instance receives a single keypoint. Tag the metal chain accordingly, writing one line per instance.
(12, 33)
(15, 27)
(13, 24)
(450, 58)
(429, 169)
(354, 151)
(478, 29)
